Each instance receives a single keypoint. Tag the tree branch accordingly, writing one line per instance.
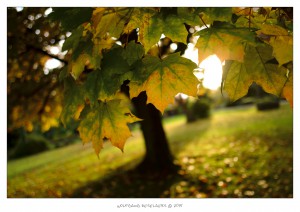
(31, 47)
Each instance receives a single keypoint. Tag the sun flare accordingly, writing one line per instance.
(212, 68)
(212, 72)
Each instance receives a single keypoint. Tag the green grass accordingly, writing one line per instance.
(235, 153)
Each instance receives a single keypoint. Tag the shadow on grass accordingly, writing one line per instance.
(130, 183)
(134, 184)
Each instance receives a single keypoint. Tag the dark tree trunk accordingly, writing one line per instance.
(158, 157)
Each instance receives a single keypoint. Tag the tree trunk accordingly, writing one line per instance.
(158, 157)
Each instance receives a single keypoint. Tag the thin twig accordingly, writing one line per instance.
(46, 53)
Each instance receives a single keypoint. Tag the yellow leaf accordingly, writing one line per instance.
(280, 40)
(237, 77)
(242, 11)
(268, 29)
(79, 64)
(225, 48)
(78, 111)
(107, 121)
(287, 92)
(163, 79)
(226, 43)
(282, 48)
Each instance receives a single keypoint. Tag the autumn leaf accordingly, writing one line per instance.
(73, 41)
(173, 27)
(163, 79)
(103, 84)
(149, 32)
(110, 22)
(73, 102)
(78, 65)
(237, 80)
(133, 52)
(211, 14)
(242, 11)
(272, 30)
(107, 121)
(287, 92)
(190, 16)
(225, 42)
(282, 48)
(281, 41)
(71, 17)
(237, 77)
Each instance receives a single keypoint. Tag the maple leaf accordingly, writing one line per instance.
(149, 33)
(163, 79)
(152, 26)
(173, 27)
(190, 16)
(236, 80)
(103, 84)
(226, 42)
(73, 102)
(106, 25)
(71, 17)
(110, 22)
(287, 92)
(282, 48)
(204, 15)
(73, 41)
(133, 52)
(280, 40)
(78, 65)
(242, 11)
(238, 76)
(107, 121)
(211, 14)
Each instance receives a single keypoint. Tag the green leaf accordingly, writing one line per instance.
(152, 26)
(236, 80)
(190, 16)
(77, 66)
(111, 22)
(63, 74)
(226, 42)
(211, 14)
(84, 46)
(73, 102)
(103, 84)
(146, 21)
(163, 79)
(71, 17)
(73, 41)
(107, 121)
(239, 76)
(133, 52)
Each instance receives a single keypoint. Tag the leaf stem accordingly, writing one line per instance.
(203, 21)
(250, 18)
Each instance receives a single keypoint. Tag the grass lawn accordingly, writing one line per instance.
(235, 153)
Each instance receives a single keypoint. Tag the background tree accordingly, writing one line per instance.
(34, 93)
(255, 43)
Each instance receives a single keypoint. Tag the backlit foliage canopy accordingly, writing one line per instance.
(255, 44)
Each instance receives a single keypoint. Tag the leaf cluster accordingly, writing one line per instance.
(110, 46)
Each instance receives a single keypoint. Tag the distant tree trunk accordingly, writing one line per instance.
(158, 157)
